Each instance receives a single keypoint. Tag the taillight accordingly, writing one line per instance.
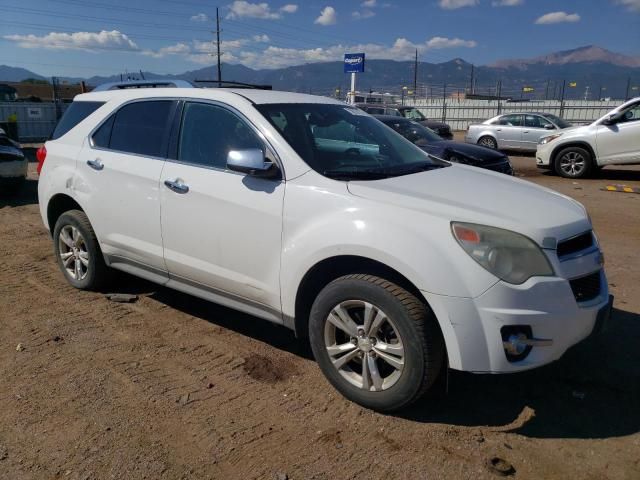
(41, 154)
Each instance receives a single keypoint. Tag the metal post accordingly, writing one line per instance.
(499, 97)
(564, 84)
(415, 74)
(218, 47)
(352, 93)
(626, 97)
(444, 103)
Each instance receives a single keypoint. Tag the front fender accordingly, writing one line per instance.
(320, 224)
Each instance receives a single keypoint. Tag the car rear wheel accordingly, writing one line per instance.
(375, 342)
(573, 162)
(487, 141)
(78, 252)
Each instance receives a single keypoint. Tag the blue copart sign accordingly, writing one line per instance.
(353, 62)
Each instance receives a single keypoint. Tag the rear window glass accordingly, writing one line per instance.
(76, 113)
(141, 128)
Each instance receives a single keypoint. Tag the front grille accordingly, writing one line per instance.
(586, 288)
(503, 166)
(575, 244)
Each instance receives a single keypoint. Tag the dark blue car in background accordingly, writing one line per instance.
(452, 151)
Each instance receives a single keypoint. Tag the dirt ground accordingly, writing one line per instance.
(174, 387)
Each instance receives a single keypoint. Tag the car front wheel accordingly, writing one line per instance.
(375, 342)
(574, 162)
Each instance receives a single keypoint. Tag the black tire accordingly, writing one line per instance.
(422, 343)
(573, 162)
(97, 273)
(488, 142)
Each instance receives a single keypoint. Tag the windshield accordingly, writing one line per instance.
(414, 132)
(413, 114)
(558, 121)
(343, 142)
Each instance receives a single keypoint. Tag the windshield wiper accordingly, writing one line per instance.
(356, 174)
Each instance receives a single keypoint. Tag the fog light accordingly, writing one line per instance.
(518, 341)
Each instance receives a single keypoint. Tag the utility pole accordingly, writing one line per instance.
(471, 86)
(415, 76)
(626, 97)
(546, 90)
(218, 48)
(564, 84)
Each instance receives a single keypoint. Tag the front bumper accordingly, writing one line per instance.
(472, 326)
(543, 156)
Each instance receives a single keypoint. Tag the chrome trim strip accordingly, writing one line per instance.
(581, 253)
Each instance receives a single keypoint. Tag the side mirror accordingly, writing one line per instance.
(549, 126)
(610, 119)
(252, 162)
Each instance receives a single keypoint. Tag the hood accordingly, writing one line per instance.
(476, 154)
(469, 194)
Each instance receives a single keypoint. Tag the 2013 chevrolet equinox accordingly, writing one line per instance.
(310, 213)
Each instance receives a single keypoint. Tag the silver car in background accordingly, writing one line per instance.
(514, 131)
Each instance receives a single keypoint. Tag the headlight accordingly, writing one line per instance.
(509, 256)
(550, 138)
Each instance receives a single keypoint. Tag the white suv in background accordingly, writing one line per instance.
(310, 213)
(579, 151)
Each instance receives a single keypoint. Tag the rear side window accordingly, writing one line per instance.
(76, 113)
(140, 128)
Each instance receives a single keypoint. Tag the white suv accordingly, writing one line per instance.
(310, 213)
(611, 140)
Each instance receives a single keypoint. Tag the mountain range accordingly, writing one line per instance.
(593, 66)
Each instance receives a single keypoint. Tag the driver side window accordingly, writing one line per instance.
(631, 115)
(209, 132)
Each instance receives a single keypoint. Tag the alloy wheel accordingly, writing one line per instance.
(488, 142)
(73, 252)
(572, 164)
(364, 345)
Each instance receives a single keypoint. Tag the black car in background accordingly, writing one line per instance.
(458, 152)
(412, 113)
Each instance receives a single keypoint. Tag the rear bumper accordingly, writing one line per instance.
(473, 326)
(13, 170)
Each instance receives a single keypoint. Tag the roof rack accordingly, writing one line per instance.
(143, 84)
(233, 84)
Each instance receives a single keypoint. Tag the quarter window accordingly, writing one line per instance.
(140, 128)
(76, 113)
(208, 134)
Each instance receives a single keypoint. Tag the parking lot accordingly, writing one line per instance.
(174, 387)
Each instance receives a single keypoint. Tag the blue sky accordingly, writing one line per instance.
(100, 37)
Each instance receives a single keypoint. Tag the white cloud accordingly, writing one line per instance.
(453, 4)
(369, 3)
(241, 8)
(363, 14)
(443, 42)
(506, 3)
(632, 5)
(200, 17)
(328, 16)
(261, 38)
(401, 49)
(91, 41)
(289, 8)
(558, 17)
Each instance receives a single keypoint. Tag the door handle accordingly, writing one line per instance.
(177, 186)
(498, 129)
(95, 164)
(525, 131)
